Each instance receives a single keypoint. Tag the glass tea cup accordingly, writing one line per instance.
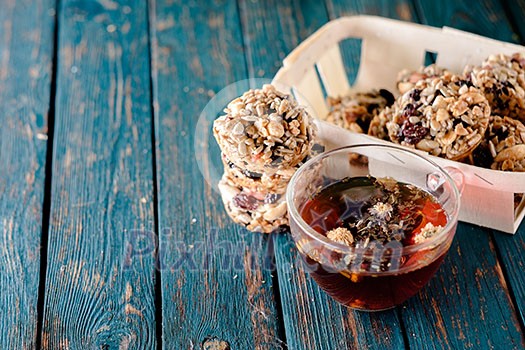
(371, 274)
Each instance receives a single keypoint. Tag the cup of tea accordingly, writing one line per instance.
(373, 223)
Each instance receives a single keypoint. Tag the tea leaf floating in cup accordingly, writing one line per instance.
(378, 210)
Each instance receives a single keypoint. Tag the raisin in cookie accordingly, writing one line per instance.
(257, 211)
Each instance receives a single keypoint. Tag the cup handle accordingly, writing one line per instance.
(458, 177)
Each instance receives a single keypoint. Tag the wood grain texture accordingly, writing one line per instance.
(485, 18)
(311, 319)
(467, 304)
(99, 290)
(217, 279)
(216, 287)
(511, 251)
(515, 10)
(271, 29)
(483, 305)
(26, 54)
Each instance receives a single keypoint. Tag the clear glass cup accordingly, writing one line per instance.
(340, 270)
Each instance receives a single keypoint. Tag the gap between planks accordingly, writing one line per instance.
(150, 18)
(46, 211)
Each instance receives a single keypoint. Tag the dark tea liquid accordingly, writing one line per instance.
(380, 211)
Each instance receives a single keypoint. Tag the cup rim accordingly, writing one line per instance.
(433, 241)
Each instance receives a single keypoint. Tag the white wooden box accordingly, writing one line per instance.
(389, 46)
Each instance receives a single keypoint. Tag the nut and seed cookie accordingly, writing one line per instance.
(355, 111)
(510, 159)
(443, 116)
(273, 182)
(407, 79)
(501, 78)
(378, 124)
(503, 147)
(258, 212)
(264, 130)
(259, 182)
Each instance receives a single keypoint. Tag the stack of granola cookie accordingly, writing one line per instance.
(264, 137)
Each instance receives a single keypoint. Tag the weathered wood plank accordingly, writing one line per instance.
(99, 290)
(216, 289)
(515, 9)
(511, 252)
(468, 303)
(312, 320)
(271, 29)
(26, 54)
(485, 18)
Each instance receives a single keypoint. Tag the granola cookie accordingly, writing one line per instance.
(406, 79)
(378, 124)
(510, 159)
(503, 147)
(355, 111)
(443, 116)
(259, 182)
(264, 130)
(502, 79)
(258, 212)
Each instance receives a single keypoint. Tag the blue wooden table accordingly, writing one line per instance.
(110, 238)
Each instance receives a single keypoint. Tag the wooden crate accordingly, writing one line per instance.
(389, 46)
